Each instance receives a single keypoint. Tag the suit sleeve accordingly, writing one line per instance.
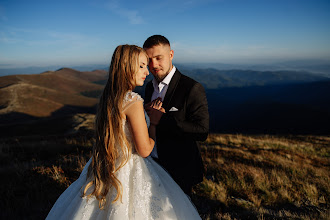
(195, 123)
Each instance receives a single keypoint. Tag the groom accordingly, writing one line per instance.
(186, 120)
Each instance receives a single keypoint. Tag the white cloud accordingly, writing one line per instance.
(132, 15)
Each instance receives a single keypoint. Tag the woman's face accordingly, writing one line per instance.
(143, 70)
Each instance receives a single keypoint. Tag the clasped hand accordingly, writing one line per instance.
(155, 110)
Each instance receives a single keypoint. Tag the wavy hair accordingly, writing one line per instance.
(112, 149)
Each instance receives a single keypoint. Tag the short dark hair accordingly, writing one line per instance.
(155, 40)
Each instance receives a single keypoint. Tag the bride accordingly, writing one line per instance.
(120, 181)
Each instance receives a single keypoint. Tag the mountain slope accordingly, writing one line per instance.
(41, 95)
(292, 108)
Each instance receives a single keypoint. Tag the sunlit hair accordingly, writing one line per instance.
(112, 150)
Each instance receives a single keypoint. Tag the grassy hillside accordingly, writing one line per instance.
(256, 177)
(41, 95)
(265, 177)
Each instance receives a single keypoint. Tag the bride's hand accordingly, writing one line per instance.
(157, 104)
(155, 110)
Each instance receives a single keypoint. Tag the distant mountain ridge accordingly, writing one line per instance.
(320, 67)
(213, 78)
(38, 70)
(313, 66)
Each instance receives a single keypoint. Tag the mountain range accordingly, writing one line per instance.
(244, 101)
(316, 66)
(216, 79)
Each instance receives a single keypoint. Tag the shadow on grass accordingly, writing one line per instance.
(28, 194)
(37, 169)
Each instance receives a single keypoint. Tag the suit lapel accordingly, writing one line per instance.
(171, 88)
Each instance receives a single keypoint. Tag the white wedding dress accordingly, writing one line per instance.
(149, 192)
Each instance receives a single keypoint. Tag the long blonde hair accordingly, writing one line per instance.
(112, 150)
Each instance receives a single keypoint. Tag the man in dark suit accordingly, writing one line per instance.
(186, 117)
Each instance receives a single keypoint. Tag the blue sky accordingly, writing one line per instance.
(83, 32)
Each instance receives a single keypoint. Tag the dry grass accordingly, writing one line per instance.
(265, 177)
(255, 177)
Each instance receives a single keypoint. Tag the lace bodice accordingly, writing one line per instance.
(130, 98)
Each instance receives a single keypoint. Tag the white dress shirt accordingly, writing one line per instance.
(160, 90)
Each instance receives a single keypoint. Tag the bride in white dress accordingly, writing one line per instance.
(120, 181)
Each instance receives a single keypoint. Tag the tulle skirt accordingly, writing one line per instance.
(149, 192)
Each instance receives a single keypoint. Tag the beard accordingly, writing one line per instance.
(160, 78)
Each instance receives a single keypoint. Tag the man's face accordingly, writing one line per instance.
(160, 61)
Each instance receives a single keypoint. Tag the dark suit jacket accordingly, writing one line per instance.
(178, 131)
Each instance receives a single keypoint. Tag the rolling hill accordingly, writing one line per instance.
(41, 95)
